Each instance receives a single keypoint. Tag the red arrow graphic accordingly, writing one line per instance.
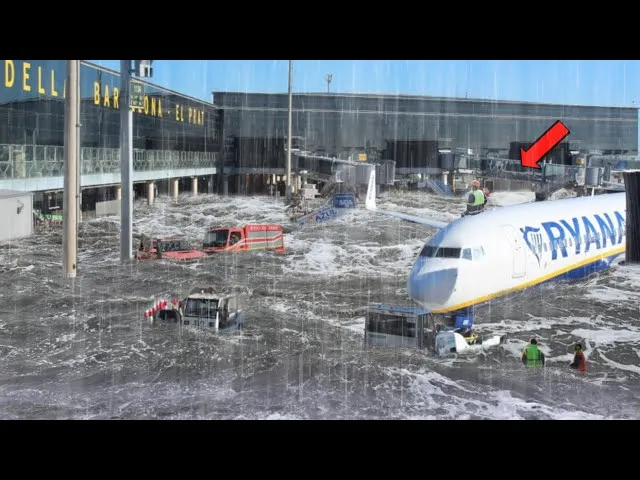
(543, 145)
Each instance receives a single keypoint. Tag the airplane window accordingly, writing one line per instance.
(466, 254)
(440, 252)
(478, 252)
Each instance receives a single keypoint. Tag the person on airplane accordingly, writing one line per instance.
(476, 199)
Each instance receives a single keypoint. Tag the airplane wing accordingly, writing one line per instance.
(370, 204)
(413, 219)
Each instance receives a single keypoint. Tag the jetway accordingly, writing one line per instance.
(349, 172)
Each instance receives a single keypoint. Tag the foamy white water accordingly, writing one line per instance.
(90, 354)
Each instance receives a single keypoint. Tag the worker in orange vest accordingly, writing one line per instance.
(579, 360)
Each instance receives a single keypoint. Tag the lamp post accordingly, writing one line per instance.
(70, 202)
(289, 128)
(141, 68)
(327, 78)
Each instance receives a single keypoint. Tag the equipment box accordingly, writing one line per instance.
(463, 321)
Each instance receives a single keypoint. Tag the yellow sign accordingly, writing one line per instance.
(22, 75)
(362, 157)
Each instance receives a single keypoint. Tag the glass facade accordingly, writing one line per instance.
(169, 130)
(410, 130)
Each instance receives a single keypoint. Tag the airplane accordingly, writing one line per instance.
(477, 258)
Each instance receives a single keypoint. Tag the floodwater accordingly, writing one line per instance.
(83, 349)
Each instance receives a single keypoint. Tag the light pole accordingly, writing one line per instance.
(126, 162)
(289, 128)
(70, 202)
(142, 69)
(327, 78)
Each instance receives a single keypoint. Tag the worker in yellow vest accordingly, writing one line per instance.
(532, 356)
(475, 200)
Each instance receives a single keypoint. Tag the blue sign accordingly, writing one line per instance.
(596, 231)
(325, 213)
(344, 200)
(463, 321)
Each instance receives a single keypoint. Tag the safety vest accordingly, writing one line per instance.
(533, 356)
(478, 196)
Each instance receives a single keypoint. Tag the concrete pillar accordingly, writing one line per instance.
(194, 186)
(444, 177)
(175, 188)
(118, 193)
(210, 189)
(151, 190)
(273, 179)
(225, 185)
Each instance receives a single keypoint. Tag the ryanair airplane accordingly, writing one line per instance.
(512, 248)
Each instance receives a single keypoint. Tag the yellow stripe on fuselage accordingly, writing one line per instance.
(530, 283)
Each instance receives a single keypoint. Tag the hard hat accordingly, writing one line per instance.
(475, 183)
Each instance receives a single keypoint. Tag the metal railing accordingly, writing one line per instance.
(36, 161)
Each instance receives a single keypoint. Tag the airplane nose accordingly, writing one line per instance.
(432, 288)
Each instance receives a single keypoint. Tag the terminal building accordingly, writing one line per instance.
(236, 142)
(174, 136)
(411, 130)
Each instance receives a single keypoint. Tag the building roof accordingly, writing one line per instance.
(13, 193)
(400, 96)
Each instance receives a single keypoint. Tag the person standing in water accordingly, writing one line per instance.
(579, 360)
(532, 356)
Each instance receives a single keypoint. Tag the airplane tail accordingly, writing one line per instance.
(370, 202)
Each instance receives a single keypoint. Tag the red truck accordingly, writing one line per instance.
(249, 237)
(175, 248)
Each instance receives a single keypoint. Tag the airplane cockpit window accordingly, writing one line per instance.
(474, 253)
(430, 251)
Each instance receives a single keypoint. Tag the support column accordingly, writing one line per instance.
(225, 185)
(118, 192)
(151, 190)
(632, 224)
(71, 174)
(194, 186)
(175, 188)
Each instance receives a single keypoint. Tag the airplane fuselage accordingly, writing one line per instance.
(478, 258)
